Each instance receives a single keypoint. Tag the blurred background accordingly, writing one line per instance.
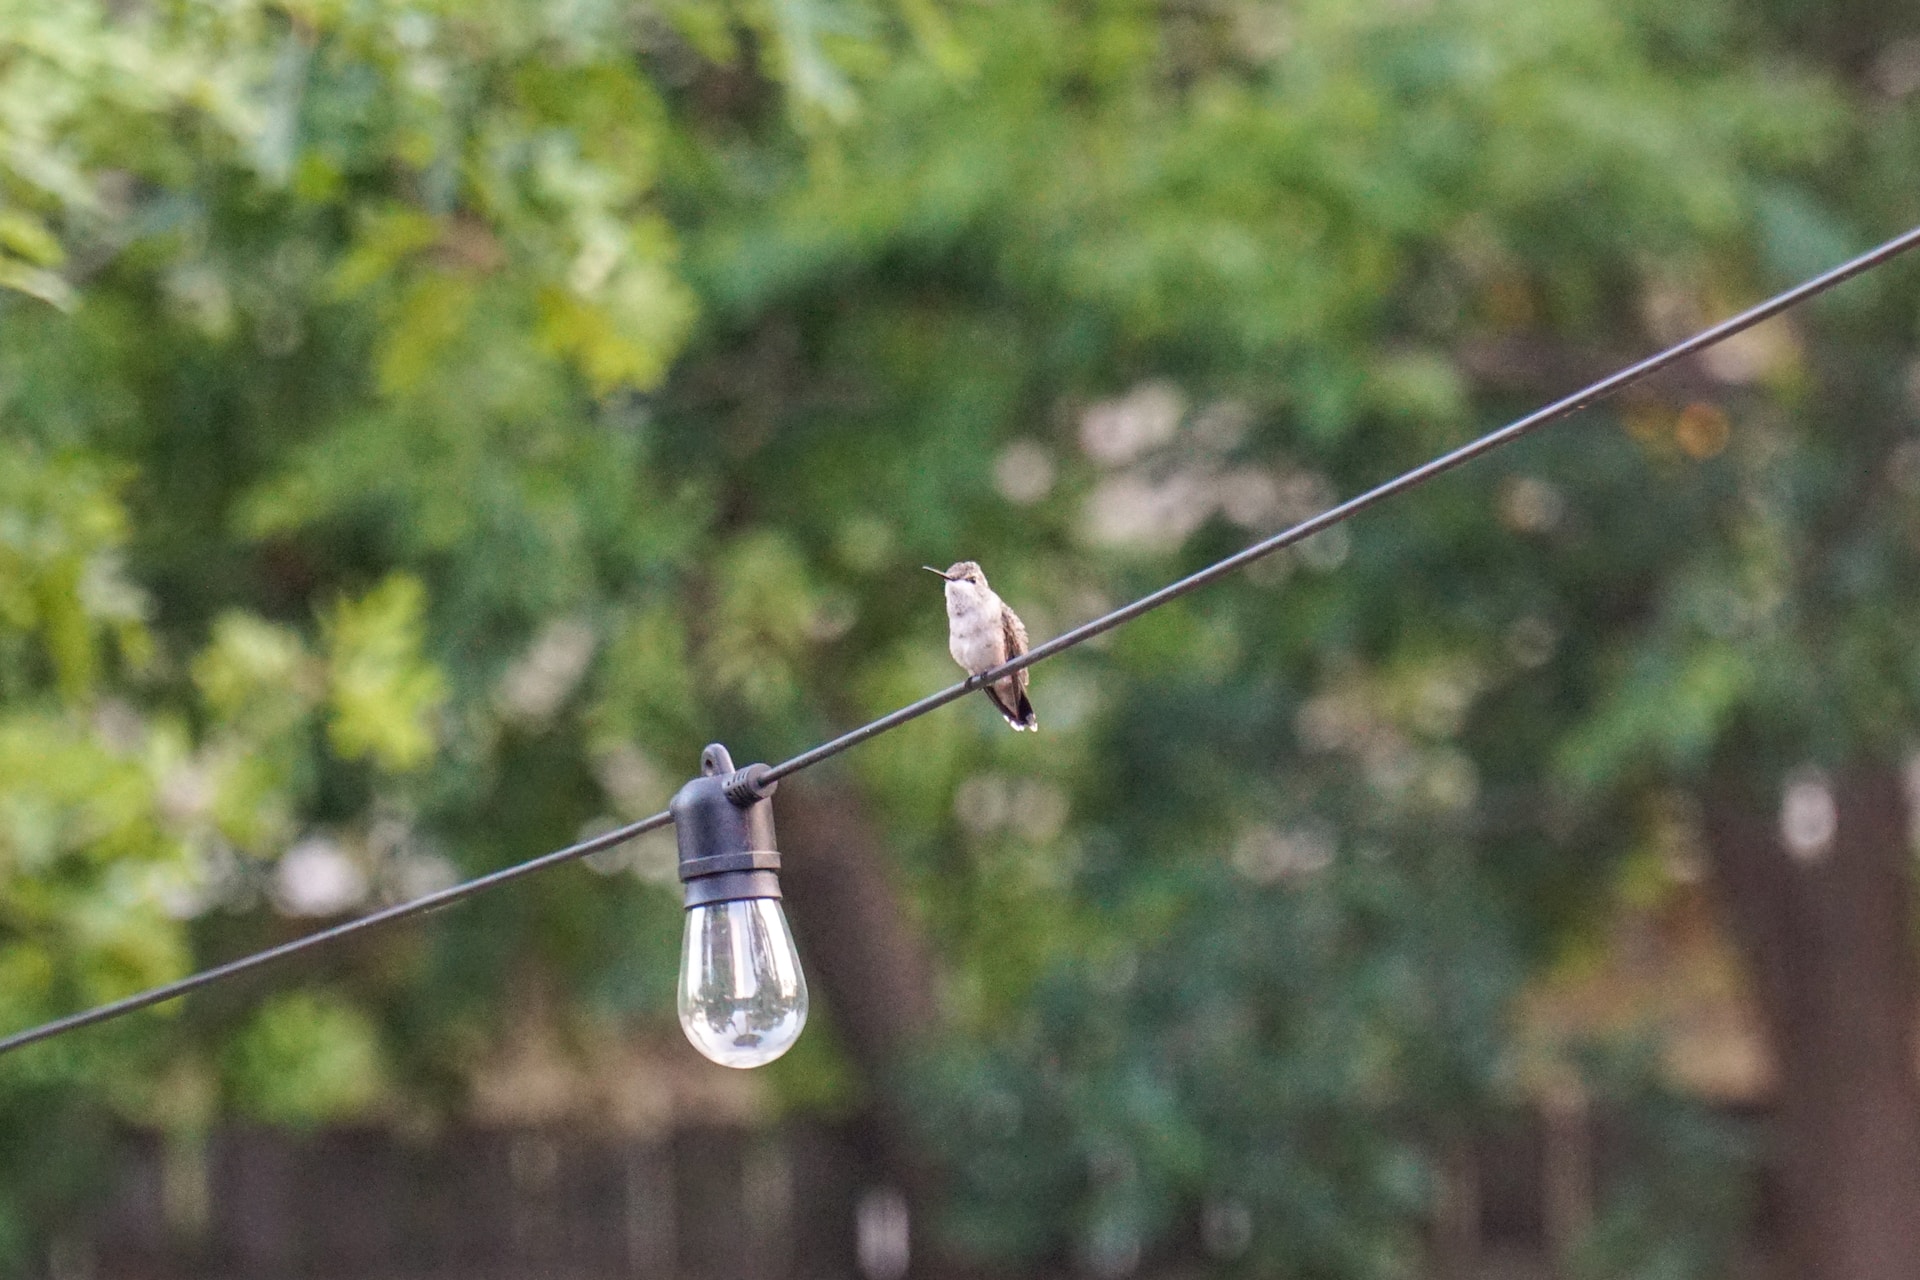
(428, 424)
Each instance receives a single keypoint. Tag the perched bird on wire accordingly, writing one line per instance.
(982, 633)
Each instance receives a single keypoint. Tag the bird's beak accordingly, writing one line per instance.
(930, 569)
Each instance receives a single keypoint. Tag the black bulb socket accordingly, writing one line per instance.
(723, 820)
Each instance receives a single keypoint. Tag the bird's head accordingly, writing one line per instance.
(965, 571)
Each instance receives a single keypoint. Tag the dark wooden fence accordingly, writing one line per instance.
(797, 1203)
(723, 1204)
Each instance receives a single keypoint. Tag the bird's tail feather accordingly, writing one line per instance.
(1020, 715)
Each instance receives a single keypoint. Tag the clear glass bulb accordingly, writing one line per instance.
(743, 999)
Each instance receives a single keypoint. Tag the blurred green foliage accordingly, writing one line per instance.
(427, 424)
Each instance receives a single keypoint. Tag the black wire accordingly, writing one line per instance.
(1354, 506)
(1059, 644)
(399, 911)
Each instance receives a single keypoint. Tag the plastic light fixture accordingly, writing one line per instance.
(743, 999)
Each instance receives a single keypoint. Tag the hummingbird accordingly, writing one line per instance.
(982, 633)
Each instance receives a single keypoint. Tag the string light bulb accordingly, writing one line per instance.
(742, 997)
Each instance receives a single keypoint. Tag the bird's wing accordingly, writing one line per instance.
(1014, 636)
(1015, 632)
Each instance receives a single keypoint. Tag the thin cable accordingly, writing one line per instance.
(1059, 644)
(399, 911)
(1354, 506)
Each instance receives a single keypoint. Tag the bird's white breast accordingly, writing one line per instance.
(974, 635)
